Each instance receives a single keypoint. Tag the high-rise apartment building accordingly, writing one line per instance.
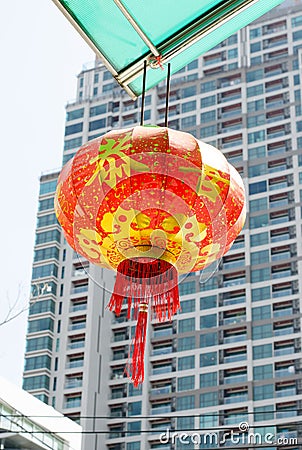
(233, 354)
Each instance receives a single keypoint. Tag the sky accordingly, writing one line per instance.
(41, 54)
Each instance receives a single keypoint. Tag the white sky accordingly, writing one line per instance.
(41, 54)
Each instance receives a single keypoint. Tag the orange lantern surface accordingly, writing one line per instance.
(150, 203)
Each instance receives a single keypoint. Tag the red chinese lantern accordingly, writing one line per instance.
(150, 203)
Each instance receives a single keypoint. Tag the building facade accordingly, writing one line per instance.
(233, 355)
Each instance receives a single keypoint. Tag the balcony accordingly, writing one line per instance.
(284, 331)
(283, 312)
(282, 274)
(235, 379)
(78, 307)
(79, 289)
(284, 351)
(286, 392)
(160, 332)
(73, 383)
(77, 326)
(235, 338)
(234, 358)
(162, 350)
(234, 319)
(161, 410)
(75, 364)
(284, 372)
(280, 256)
(161, 390)
(75, 345)
(236, 399)
(233, 301)
(161, 370)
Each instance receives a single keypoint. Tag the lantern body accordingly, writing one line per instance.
(150, 192)
(149, 202)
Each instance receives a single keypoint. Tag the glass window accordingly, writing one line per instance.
(37, 362)
(255, 47)
(48, 187)
(75, 114)
(255, 105)
(208, 359)
(38, 382)
(258, 221)
(46, 324)
(48, 236)
(189, 121)
(134, 446)
(134, 408)
(187, 402)
(185, 423)
(259, 239)
(256, 136)
(260, 203)
(188, 91)
(254, 75)
(232, 53)
(208, 379)
(187, 306)
(260, 257)
(186, 383)
(186, 343)
(208, 101)
(188, 106)
(208, 340)
(108, 87)
(186, 362)
(259, 294)
(97, 110)
(208, 399)
(193, 65)
(40, 343)
(262, 351)
(96, 124)
(208, 116)
(208, 302)
(186, 288)
(208, 86)
(47, 203)
(260, 274)
(133, 391)
(261, 312)
(296, 21)
(208, 321)
(263, 392)
(42, 306)
(208, 131)
(73, 143)
(46, 253)
(185, 325)
(263, 372)
(48, 219)
(254, 90)
(258, 169)
(263, 413)
(47, 270)
(76, 128)
(297, 35)
(107, 75)
(262, 331)
(255, 32)
(256, 188)
(134, 428)
(256, 121)
(257, 152)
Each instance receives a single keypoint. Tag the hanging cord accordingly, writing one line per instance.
(143, 93)
(167, 94)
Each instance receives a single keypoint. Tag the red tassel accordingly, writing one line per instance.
(144, 282)
(136, 367)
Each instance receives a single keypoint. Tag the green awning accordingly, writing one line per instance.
(124, 33)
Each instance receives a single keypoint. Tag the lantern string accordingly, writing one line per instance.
(143, 93)
(167, 94)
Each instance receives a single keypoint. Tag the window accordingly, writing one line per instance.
(263, 413)
(254, 75)
(186, 343)
(96, 124)
(208, 321)
(296, 21)
(208, 340)
(72, 143)
(133, 446)
(188, 287)
(208, 131)
(193, 65)
(188, 91)
(187, 306)
(134, 408)
(39, 382)
(47, 203)
(41, 307)
(208, 302)
(108, 87)
(187, 402)
(97, 110)
(262, 351)
(208, 86)
(233, 53)
(208, 101)
(208, 380)
(262, 331)
(46, 253)
(107, 75)
(261, 312)
(258, 221)
(255, 47)
(257, 152)
(208, 116)
(258, 169)
(48, 187)
(259, 294)
(76, 128)
(188, 106)
(186, 362)
(256, 188)
(254, 90)
(185, 423)
(208, 359)
(263, 392)
(134, 428)
(255, 32)
(189, 121)
(259, 239)
(47, 270)
(260, 203)
(263, 372)
(186, 383)
(185, 325)
(48, 236)
(75, 114)
(256, 136)
(260, 257)
(39, 343)
(208, 399)
(37, 362)
(40, 325)
(256, 121)
(260, 275)
(255, 105)
(48, 219)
